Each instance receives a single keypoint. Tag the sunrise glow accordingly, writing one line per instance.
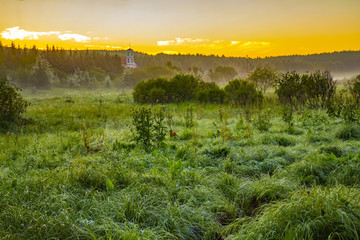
(254, 28)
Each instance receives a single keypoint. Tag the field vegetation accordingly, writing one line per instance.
(95, 164)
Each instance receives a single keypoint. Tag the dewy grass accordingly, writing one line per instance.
(317, 213)
(270, 184)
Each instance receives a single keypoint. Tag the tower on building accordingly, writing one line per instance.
(129, 60)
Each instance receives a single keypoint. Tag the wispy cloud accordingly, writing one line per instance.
(211, 43)
(104, 47)
(18, 33)
(178, 41)
(76, 37)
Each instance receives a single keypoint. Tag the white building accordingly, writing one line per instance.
(129, 61)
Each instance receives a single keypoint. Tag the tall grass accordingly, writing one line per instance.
(221, 178)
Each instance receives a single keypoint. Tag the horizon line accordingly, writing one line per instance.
(57, 48)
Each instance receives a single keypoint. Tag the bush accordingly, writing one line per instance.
(159, 90)
(210, 93)
(12, 104)
(316, 89)
(319, 88)
(243, 92)
(288, 117)
(151, 91)
(149, 126)
(157, 95)
(183, 88)
(262, 121)
(263, 78)
(354, 87)
(289, 89)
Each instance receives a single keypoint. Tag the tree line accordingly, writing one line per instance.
(57, 67)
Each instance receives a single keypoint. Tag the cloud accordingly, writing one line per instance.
(179, 41)
(255, 44)
(103, 47)
(76, 37)
(18, 33)
(217, 44)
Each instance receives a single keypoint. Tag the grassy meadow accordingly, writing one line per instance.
(74, 172)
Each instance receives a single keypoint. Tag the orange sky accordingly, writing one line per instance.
(230, 27)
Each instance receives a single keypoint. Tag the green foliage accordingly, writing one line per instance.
(157, 95)
(289, 89)
(41, 72)
(315, 89)
(350, 113)
(319, 88)
(263, 78)
(200, 185)
(142, 119)
(159, 126)
(12, 104)
(156, 87)
(278, 140)
(189, 120)
(109, 185)
(318, 213)
(242, 92)
(149, 125)
(178, 89)
(348, 131)
(288, 116)
(210, 93)
(354, 87)
(262, 121)
(183, 88)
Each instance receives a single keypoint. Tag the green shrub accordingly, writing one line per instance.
(183, 88)
(180, 88)
(263, 78)
(189, 120)
(313, 119)
(157, 95)
(315, 89)
(12, 104)
(319, 88)
(289, 89)
(350, 113)
(151, 91)
(243, 92)
(149, 125)
(262, 121)
(210, 93)
(334, 107)
(288, 116)
(354, 87)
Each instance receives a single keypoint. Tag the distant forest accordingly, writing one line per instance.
(57, 67)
